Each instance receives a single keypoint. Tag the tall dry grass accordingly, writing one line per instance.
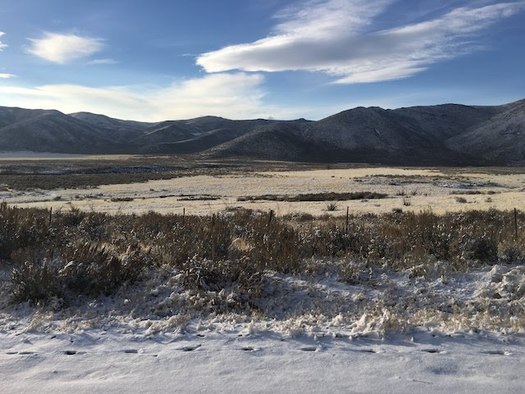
(73, 253)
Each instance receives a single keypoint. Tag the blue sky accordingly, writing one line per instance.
(155, 60)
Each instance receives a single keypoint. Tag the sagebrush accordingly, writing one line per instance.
(66, 254)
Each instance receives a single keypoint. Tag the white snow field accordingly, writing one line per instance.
(97, 361)
(452, 333)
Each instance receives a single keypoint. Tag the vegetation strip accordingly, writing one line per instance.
(331, 196)
(243, 262)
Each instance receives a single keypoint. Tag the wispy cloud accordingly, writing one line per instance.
(64, 48)
(337, 37)
(2, 45)
(235, 95)
(102, 61)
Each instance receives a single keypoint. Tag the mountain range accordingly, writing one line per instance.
(448, 134)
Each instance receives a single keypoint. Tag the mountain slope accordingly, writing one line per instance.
(446, 120)
(118, 130)
(274, 141)
(208, 133)
(52, 131)
(401, 136)
(166, 132)
(448, 134)
(500, 139)
(11, 115)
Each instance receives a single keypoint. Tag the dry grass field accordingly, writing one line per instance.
(157, 184)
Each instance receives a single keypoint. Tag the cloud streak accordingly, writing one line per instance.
(336, 37)
(2, 45)
(64, 48)
(105, 61)
(233, 95)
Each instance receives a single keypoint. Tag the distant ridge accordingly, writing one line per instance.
(448, 134)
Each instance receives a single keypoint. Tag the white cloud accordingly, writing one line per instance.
(64, 48)
(235, 96)
(6, 75)
(326, 18)
(336, 37)
(2, 45)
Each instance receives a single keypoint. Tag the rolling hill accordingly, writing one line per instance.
(448, 134)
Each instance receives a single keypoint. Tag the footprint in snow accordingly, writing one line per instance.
(308, 349)
(72, 352)
(496, 353)
(190, 348)
(431, 351)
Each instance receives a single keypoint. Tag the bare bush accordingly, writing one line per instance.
(21, 228)
(332, 206)
(84, 269)
(36, 281)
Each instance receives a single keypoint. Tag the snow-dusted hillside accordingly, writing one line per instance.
(442, 135)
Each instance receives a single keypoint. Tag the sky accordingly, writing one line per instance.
(283, 59)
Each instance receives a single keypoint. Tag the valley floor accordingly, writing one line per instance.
(409, 189)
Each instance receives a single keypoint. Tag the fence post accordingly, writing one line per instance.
(347, 223)
(213, 239)
(270, 217)
(516, 224)
(50, 215)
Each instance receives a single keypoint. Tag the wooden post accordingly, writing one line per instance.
(516, 224)
(183, 215)
(347, 223)
(50, 215)
(213, 238)
(270, 217)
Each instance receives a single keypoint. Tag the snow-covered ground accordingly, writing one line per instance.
(385, 332)
(98, 361)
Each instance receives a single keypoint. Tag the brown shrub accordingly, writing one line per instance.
(92, 253)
